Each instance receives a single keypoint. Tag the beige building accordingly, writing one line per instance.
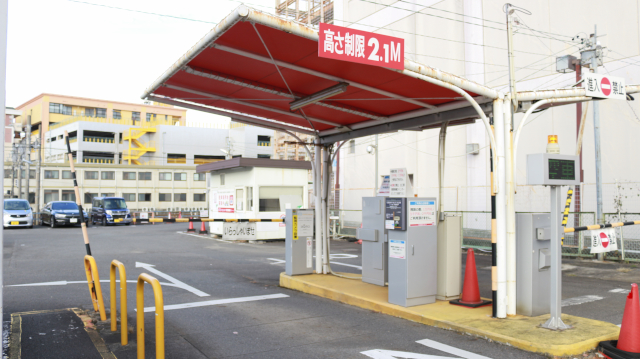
(143, 187)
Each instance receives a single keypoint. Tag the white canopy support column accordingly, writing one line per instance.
(511, 211)
(501, 245)
(318, 203)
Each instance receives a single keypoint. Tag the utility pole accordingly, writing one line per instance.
(596, 134)
(38, 146)
(28, 154)
(14, 159)
(509, 10)
(20, 157)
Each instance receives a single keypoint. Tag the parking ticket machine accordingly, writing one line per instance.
(412, 225)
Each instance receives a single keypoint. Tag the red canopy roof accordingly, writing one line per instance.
(233, 68)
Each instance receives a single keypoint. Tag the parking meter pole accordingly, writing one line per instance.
(555, 320)
(83, 222)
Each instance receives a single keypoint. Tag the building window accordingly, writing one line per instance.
(135, 116)
(151, 117)
(264, 141)
(199, 176)
(144, 197)
(117, 115)
(101, 112)
(164, 197)
(222, 179)
(269, 198)
(250, 198)
(60, 108)
(144, 176)
(67, 175)
(90, 112)
(51, 195)
(108, 175)
(91, 175)
(7, 173)
(352, 146)
(165, 176)
(199, 197)
(240, 199)
(179, 197)
(179, 176)
(128, 175)
(32, 197)
(176, 158)
(68, 195)
(264, 156)
(51, 175)
(107, 195)
(32, 174)
(129, 197)
(88, 197)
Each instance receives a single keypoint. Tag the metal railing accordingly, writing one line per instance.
(97, 139)
(124, 329)
(182, 160)
(93, 279)
(159, 302)
(264, 143)
(102, 160)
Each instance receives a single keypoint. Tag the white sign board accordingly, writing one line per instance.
(305, 225)
(604, 86)
(204, 213)
(144, 215)
(239, 231)
(225, 200)
(398, 182)
(384, 187)
(309, 252)
(422, 213)
(603, 240)
(397, 249)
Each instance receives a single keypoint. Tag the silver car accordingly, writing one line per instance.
(17, 213)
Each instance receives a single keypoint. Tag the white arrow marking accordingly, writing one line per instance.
(217, 302)
(451, 350)
(179, 284)
(276, 261)
(392, 354)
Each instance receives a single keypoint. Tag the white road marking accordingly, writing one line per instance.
(64, 282)
(218, 302)
(581, 300)
(276, 261)
(179, 284)
(392, 354)
(620, 290)
(214, 238)
(451, 350)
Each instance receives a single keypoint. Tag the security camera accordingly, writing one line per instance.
(370, 149)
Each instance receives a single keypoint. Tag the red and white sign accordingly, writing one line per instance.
(225, 202)
(346, 44)
(603, 240)
(604, 86)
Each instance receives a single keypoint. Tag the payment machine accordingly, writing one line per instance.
(299, 241)
(374, 241)
(533, 248)
(413, 247)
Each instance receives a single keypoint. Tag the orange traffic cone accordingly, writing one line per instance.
(203, 229)
(470, 290)
(169, 215)
(359, 241)
(628, 343)
(191, 229)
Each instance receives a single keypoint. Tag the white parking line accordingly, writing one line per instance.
(392, 354)
(581, 300)
(218, 302)
(620, 290)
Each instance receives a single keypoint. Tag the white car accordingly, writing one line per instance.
(17, 213)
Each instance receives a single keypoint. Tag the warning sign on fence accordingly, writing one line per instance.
(603, 240)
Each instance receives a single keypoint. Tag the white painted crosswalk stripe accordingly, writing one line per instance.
(581, 300)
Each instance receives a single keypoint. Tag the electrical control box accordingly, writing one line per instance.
(413, 250)
(299, 241)
(533, 276)
(550, 169)
(374, 241)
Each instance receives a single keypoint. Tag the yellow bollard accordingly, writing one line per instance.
(124, 329)
(93, 279)
(157, 292)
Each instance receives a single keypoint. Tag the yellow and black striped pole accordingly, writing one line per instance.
(600, 226)
(494, 239)
(565, 215)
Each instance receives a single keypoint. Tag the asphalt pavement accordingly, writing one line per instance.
(222, 300)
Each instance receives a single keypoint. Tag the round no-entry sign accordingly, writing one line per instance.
(603, 237)
(605, 85)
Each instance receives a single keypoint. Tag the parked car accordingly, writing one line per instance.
(60, 213)
(17, 213)
(110, 210)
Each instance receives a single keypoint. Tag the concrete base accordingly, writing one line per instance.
(518, 331)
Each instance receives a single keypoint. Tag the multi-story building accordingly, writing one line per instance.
(310, 12)
(145, 153)
(287, 147)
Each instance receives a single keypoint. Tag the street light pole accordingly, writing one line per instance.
(596, 136)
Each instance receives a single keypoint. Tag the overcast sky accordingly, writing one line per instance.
(73, 48)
